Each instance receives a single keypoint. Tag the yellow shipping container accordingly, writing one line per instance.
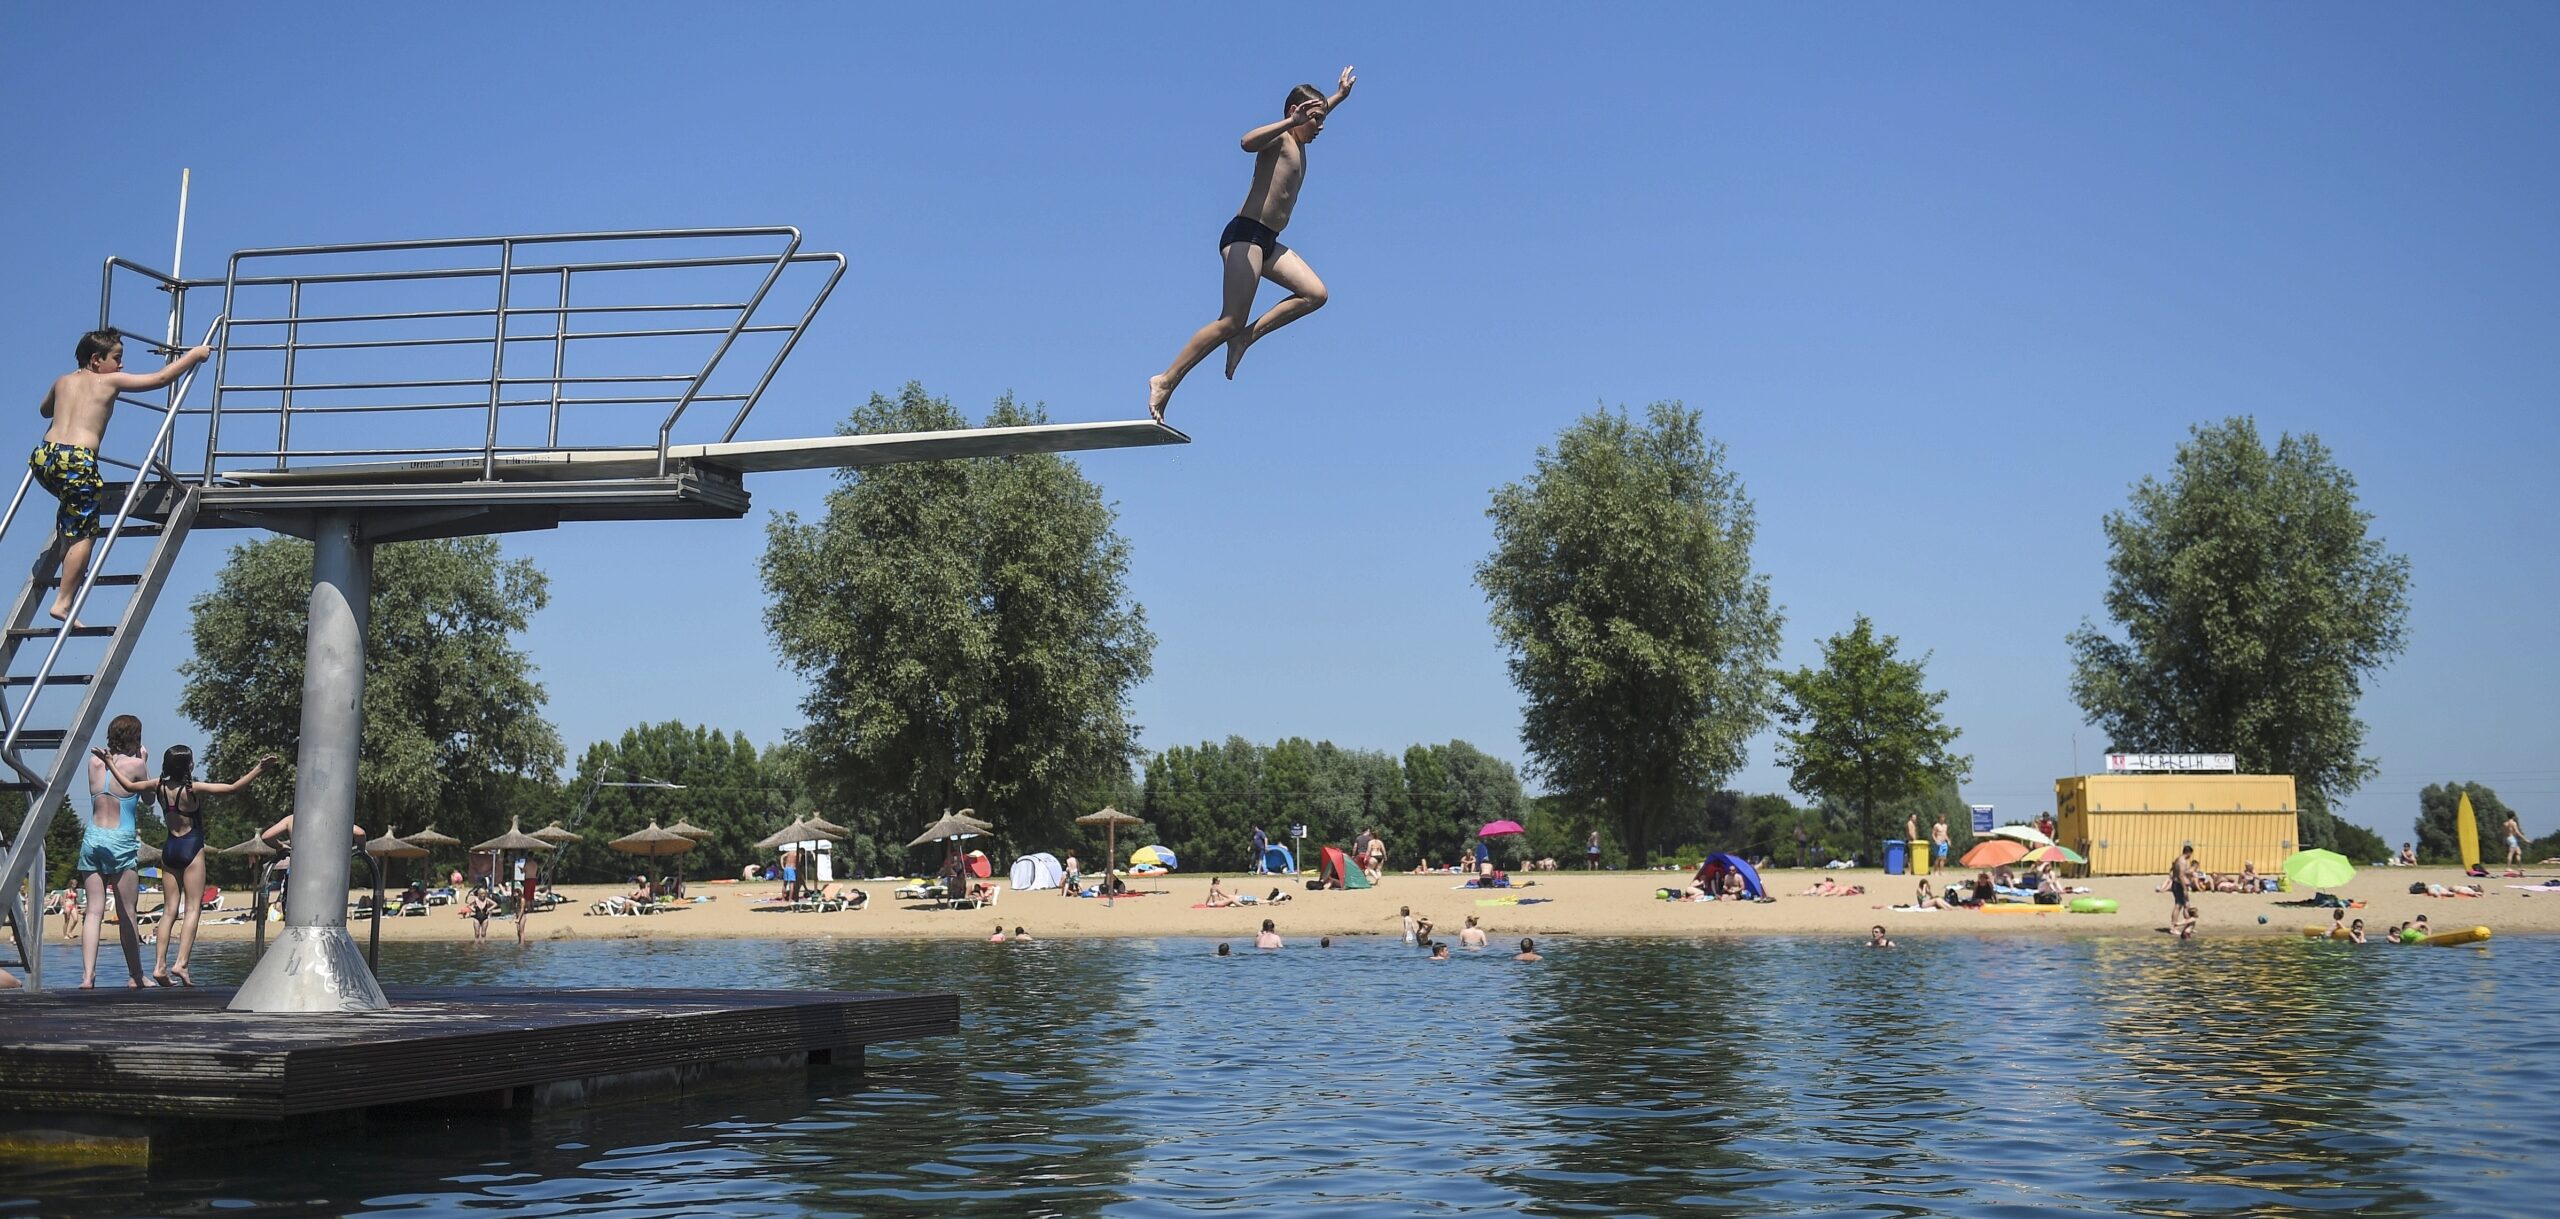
(2133, 824)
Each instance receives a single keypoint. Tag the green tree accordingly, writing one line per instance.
(1864, 729)
(727, 787)
(2254, 602)
(453, 725)
(2438, 806)
(965, 630)
(1637, 630)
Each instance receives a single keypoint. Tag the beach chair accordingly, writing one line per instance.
(211, 901)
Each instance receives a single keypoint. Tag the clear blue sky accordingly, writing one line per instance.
(1945, 279)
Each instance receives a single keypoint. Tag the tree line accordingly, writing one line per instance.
(966, 639)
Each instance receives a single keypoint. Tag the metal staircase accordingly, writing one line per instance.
(54, 691)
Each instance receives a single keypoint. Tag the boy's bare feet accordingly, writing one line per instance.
(1159, 395)
(1235, 351)
(61, 612)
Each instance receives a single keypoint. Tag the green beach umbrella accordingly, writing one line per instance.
(2316, 869)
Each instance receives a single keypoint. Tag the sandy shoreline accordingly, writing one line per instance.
(1590, 904)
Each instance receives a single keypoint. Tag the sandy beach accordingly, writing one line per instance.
(1555, 904)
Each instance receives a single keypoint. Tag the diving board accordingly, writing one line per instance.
(737, 457)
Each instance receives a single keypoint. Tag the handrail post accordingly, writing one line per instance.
(498, 359)
(221, 361)
(559, 358)
(746, 314)
(284, 409)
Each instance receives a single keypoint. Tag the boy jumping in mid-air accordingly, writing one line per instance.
(67, 462)
(1250, 247)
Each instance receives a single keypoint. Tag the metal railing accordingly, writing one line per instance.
(356, 351)
(153, 460)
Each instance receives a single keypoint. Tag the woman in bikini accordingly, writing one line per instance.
(177, 793)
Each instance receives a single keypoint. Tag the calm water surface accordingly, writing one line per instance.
(1711, 1077)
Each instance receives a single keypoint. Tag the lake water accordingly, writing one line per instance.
(1711, 1077)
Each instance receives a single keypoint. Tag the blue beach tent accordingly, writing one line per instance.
(1718, 865)
(1276, 858)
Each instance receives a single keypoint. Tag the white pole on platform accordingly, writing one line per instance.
(315, 965)
(178, 263)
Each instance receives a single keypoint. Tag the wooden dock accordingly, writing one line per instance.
(105, 1074)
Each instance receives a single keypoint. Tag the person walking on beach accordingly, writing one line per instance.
(2515, 840)
(1261, 847)
(177, 794)
(1591, 853)
(532, 870)
(1940, 843)
(1911, 839)
(2181, 915)
(110, 848)
(1250, 246)
(79, 403)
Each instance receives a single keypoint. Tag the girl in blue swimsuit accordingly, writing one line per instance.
(176, 793)
(109, 850)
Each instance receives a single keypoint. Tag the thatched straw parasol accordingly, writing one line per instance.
(952, 828)
(836, 832)
(515, 839)
(797, 831)
(555, 835)
(1110, 819)
(652, 842)
(692, 831)
(254, 848)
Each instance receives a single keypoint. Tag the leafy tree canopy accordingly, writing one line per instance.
(2438, 806)
(2252, 601)
(965, 631)
(1639, 634)
(453, 724)
(1864, 730)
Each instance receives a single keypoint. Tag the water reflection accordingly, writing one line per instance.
(1722, 1077)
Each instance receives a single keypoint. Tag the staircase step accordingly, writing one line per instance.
(58, 679)
(19, 785)
(40, 738)
(48, 632)
(126, 580)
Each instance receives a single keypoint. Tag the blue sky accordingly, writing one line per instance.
(1945, 280)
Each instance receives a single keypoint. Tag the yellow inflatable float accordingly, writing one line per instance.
(2468, 935)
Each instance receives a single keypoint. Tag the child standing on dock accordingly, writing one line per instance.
(110, 849)
(79, 403)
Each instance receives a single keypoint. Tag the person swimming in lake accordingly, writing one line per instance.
(1876, 937)
(1471, 936)
(1528, 950)
(1269, 938)
(1249, 248)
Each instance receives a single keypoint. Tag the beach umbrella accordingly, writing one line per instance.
(837, 833)
(254, 848)
(1159, 855)
(1994, 853)
(797, 831)
(515, 839)
(1110, 819)
(1500, 829)
(652, 842)
(555, 835)
(2317, 869)
(430, 839)
(952, 828)
(692, 831)
(2027, 834)
(2054, 853)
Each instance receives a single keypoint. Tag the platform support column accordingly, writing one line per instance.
(315, 966)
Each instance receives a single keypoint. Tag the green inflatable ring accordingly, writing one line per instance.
(2093, 905)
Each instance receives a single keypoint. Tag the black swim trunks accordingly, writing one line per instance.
(1246, 228)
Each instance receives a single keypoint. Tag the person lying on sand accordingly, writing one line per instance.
(1827, 887)
(1218, 895)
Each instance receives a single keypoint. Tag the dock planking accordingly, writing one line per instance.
(177, 1054)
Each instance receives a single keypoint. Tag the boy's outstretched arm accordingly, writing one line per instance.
(169, 372)
(1261, 137)
(1342, 91)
